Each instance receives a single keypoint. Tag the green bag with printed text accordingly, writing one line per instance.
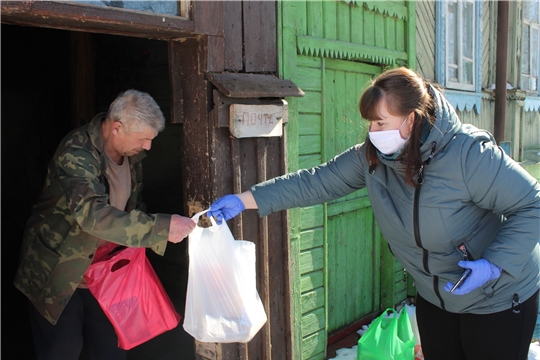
(389, 337)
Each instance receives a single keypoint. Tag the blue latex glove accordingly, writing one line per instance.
(482, 271)
(226, 208)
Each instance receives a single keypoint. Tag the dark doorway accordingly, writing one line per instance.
(38, 109)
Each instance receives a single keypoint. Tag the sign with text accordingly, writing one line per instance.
(256, 120)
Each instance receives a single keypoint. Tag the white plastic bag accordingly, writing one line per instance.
(222, 303)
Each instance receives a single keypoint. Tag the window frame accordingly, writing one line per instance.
(536, 25)
(441, 46)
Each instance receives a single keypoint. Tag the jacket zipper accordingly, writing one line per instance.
(464, 252)
(416, 225)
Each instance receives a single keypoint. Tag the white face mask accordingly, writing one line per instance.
(388, 141)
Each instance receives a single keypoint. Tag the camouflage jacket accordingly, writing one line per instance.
(73, 213)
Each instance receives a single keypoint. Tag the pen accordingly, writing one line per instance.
(463, 277)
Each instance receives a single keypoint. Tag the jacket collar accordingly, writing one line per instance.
(446, 125)
(94, 133)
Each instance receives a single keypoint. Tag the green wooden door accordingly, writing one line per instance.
(353, 248)
(341, 269)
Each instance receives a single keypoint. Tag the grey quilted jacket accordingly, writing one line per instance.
(473, 194)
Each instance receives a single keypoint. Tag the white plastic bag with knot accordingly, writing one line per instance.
(222, 302)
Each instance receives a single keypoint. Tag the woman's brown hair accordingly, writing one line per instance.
(405, 92)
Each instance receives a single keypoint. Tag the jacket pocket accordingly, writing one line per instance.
(38, 263)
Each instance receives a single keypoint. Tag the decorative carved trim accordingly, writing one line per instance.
(532, 104)
(388, 8)
(318, 47)
(462, 100)
(516, 94)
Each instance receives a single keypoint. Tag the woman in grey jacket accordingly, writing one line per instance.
(449, 202)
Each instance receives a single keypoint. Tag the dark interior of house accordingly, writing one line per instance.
(37, 111)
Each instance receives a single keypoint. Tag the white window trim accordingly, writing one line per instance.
(532, 25)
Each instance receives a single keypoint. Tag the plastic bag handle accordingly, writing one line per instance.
(198, 215)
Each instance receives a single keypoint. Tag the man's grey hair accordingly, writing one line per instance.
(136, 111)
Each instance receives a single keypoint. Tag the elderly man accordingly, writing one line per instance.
(91, 196)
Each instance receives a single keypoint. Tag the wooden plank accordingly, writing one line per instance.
(401, 40)
(313, 321)
(314, 346)
(236, 85)
(340, 334)
(411, 34)
(376, 283)
(312, 300)
(301, 12)
(207, 351)
(309, 161)
(330, 19)
(216, 55)
(388, 288)
(311, 281)
(348, 206)
(260, 48)
(378, 23)
(344, 21)
(307, 61)
(208, 17)
(264, 254)
(309, 144)
(357, 24)
(310, 124)
(195, 155)
(315, 21)
(350, 247)
(83, 78)
(311, 260)
(309, 79)
(297, 286)
(311, 238)
(177, 100)
(310, 103)
(82, 17)
(311, 216)
(390, 33)
(369, 27)
(233, 35)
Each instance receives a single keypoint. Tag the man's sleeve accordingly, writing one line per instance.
(89, 203)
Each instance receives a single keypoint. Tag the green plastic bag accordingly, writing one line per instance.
(388, 338)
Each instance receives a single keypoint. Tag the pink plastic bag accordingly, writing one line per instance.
(131, 295)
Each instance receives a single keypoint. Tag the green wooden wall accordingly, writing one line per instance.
(341, 267)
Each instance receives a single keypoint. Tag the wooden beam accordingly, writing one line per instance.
(208, 17)
(84, 17)
(177, 101)
(83, 82)
(196, 121)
